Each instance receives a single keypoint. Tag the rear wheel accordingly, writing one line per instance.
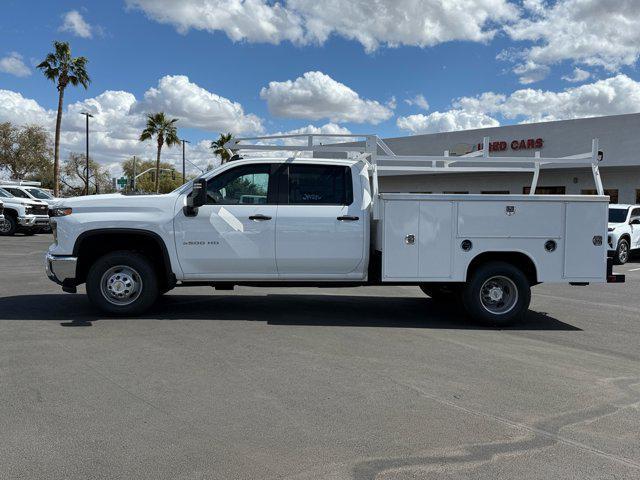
(622, 252)
(497, 294)
(122, 283)
(9, 225)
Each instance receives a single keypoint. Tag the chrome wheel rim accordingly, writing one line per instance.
(121, 285)
(498, 295)
(5, 226)
(623, 252)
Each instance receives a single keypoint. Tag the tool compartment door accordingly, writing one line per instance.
(400, 253)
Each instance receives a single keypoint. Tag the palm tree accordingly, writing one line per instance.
(61, 68)
(165, 131)
(218, 147)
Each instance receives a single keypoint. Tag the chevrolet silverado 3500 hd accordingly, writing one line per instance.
(321, 221)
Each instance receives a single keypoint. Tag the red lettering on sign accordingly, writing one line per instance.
(539, 143)
(514, 145)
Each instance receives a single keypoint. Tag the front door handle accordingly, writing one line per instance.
(349, 218)
(259, 217)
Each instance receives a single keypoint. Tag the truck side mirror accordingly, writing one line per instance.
(196, 198)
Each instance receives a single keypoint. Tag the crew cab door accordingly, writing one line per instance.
(320, 232)
(233, 235)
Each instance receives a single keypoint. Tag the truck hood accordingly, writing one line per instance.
(116, 202)
(615, 225)
(23, 201)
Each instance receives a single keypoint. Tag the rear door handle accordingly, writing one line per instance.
(349, 218)
(259, 217)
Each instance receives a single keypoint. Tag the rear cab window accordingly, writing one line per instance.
(319, 185)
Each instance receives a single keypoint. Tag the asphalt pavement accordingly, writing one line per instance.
(362, 383)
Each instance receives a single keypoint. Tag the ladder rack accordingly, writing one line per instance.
(367, 148)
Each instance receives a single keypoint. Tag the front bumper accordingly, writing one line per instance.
(34, 221)
(61, 270)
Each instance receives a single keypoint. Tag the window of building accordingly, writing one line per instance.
(495, 192)
(638, 196)
(546, 190)
(320, 185)
(612, 192)
(242, 185)
(456, 193)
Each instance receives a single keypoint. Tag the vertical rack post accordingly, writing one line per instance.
(595, 169)
(536, 175)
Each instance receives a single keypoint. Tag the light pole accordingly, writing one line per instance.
(183, 160)
(87, 115)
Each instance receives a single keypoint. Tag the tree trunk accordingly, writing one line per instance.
(158, 167)
(56, 149)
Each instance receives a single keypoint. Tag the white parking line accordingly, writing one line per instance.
(634, 269)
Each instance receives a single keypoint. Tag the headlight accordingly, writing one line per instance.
(28, 210)
(60, 211)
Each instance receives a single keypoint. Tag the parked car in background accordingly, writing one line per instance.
(1, 212)
(34, 193)
(23, 214)
(624, 231)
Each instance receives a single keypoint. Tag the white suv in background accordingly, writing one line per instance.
(624, 231)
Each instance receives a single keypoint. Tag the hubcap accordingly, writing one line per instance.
(121, 285)
(498, 295)
(624, 252)
(4, 226)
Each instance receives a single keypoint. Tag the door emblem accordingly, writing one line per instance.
(510, 210)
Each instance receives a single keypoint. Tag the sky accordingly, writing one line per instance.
(391, 67)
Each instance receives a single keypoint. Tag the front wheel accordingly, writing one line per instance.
(8, 226)
(122, 283)
(498, 294)
(622, 252)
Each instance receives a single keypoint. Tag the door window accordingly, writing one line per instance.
(320, 185)
(245, 185)
(16, 192)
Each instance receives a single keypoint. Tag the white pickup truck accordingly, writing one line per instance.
(321, 222)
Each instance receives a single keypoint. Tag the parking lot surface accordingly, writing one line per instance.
(362, 383)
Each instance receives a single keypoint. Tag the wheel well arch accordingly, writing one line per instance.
(10, 210)
(518, 259)
(93, 244)
(624, 236)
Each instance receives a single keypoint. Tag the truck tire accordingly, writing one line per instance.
(441, 293)
(122, 283)
(622, 252)
(497, 294)
(9, 225)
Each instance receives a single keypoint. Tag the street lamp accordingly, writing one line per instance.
(183, 160)
(87, 115)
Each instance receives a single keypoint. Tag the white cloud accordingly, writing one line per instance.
(196, 107)
(316, 95)
(418, 101)
(74, 23)
(118, 119)
(579, 75)
(531, 72)
(448, 121)
(612, 96)
(14, 65)
(372, 23)
(604, 33)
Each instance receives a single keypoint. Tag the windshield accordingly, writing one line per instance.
(618, 215)
(4, 193)
(37, 193)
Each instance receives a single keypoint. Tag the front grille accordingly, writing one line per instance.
(40, 209)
